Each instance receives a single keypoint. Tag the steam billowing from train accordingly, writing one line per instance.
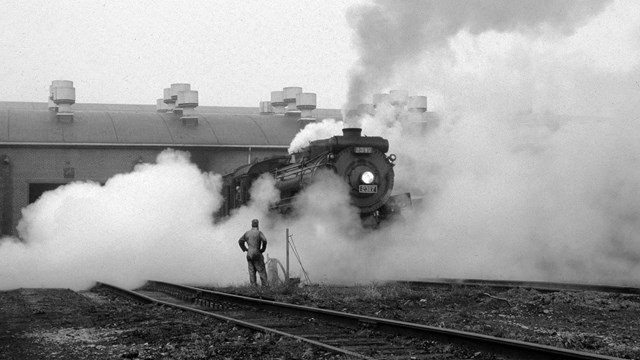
(392, 35)
(533, 171)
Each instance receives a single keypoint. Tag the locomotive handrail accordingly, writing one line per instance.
(300, 166)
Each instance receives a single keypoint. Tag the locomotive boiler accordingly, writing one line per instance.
(360, 161)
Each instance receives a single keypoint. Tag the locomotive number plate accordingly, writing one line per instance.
(368, 189)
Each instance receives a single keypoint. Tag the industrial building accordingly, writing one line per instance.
(47, 144)
(44, 145)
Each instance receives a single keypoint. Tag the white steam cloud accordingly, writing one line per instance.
(532, 172)
(391, 35)
(314, 131)
(153, 223)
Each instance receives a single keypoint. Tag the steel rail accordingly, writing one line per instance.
(537, 285)
(513, 348)
(132, 295)
(149, 300)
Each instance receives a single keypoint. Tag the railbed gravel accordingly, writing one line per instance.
(63, 324)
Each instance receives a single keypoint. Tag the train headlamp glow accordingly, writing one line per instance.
(367, 177)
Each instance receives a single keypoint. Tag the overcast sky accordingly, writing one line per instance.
(236, 52)
(233, 52)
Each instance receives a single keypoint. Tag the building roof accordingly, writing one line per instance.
(24, 123)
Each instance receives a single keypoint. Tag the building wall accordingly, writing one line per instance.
(35, 165)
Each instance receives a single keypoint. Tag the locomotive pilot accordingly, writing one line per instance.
(254, 243)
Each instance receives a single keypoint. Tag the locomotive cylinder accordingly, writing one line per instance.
(289, 185)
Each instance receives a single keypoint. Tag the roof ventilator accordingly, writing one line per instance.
(289, 95)
(380, 99)
(62, 95)
(306, 103)
(418, 117)
(169, 103)
(187, 101)
(417, 104)
(161, 106)
(399, 99)
(366, 109)
(277, 102)
(175, 89)
(179, 99)
(266, 108)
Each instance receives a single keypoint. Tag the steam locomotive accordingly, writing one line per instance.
(360, 161)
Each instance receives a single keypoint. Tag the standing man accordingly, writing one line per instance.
(254, 243)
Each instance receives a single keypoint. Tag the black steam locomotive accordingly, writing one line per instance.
(361, 161)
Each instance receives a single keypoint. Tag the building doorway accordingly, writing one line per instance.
(37, 189)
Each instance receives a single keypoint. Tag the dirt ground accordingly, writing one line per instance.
(62, 324)
(607, 324)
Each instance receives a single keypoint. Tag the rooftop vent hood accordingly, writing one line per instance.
(175, 89)
(62, 95)
(266, 108)
(289, 96)
(179, 99)
(161, 106)
(306, 103)
(399, 98)
(417, 104)
(168, 101)
(366, 109)
(277, 102)
(379, 99)
(187, 100)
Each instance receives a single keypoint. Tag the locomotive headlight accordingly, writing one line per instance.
(367, 177)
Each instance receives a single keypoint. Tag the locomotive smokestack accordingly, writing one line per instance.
(351, 133)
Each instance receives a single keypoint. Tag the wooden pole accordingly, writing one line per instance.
(286, 276)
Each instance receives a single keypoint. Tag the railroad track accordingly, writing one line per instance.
(537, 285)
(358, 336)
